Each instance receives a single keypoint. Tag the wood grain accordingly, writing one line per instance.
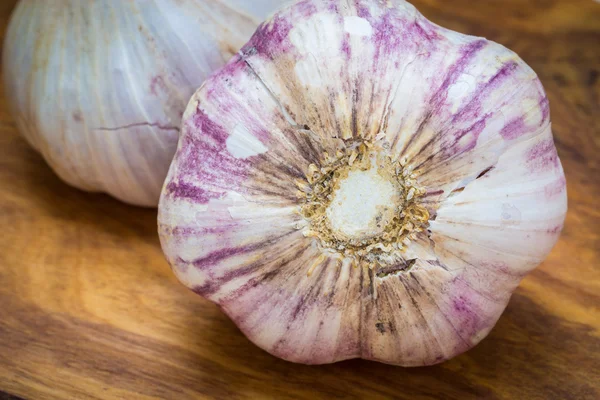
(89, 309)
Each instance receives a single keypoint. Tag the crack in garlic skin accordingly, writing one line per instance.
(465, 118)
(396, 223)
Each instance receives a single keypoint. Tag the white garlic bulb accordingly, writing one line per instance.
(98, 87)
(360, 182)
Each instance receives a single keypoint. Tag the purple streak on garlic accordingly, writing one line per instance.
(360, 182)
(99, 87)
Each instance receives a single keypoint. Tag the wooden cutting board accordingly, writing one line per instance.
(89, 309)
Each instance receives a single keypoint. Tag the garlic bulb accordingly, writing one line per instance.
(360, 182)
(98, 87)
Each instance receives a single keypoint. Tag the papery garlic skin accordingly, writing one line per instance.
(463, 121)
(98, 87)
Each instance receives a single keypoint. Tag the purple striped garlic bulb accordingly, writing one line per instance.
(98, 87)
(360, 182)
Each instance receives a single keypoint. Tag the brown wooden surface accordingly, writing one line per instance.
(90, 309)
